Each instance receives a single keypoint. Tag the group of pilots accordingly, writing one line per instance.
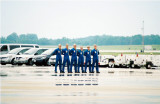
(74, 53)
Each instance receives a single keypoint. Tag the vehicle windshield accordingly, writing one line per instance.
(48, 52)
(31, 51)
(0, 46)
(15, 51)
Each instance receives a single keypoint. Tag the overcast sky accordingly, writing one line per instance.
(73, 19)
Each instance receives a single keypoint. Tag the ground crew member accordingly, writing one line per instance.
(87, 53)
(73, 52)
(65, 52)
(58, 52)
(95, 54)
(80, 59)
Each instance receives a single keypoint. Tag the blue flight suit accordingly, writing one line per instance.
(73, 52)
(80, 60)
(58, 52)
(95, 54)
(65, 52)
(87, 53)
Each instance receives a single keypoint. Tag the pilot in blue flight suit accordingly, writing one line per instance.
(58, 52)
(87, 53)
(95, 54)
(73, 52)
(80, 59)
(65, 52)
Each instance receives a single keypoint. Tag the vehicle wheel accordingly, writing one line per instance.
(120, 66)
(30, 62)
(148, 66)
(3, 64)
(131, 65)
(13, 62)
(127, 66)
(47, 63)
(111, 65)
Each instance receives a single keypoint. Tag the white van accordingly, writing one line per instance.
(5, 48)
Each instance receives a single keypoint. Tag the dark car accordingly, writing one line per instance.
(26, 58)
(42, 59)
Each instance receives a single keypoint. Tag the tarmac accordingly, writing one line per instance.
(40, 85)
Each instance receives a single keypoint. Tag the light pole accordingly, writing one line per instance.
(143, 35)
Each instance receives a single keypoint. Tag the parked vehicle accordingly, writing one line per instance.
(10, 57)
(26, 58)
(43, 59)
(124, 61)
(52, 59)
(148, 61)
(5, 48)
(137, 61)
(107, 61)
(152, 61)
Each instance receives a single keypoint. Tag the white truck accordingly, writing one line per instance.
(5, 48)
(124, 61)
(107, 60)
(137, 61)
(152, 61)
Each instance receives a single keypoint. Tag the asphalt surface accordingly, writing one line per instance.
(40, 85)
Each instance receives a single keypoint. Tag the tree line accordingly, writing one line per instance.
(153, 39)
